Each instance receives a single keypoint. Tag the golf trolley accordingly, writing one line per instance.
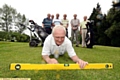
(89, 36)
(37, 34)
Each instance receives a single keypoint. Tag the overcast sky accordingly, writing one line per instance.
(38, 9)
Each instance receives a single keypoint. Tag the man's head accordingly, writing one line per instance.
(48, 15)
(52, 16)
(64, 16)
(85, 18)
(59, 33)
(75, 16)
(57, 16)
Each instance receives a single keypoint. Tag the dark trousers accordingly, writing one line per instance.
(48, 30)
(66, 32)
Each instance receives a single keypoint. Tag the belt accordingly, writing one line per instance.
(84, 28)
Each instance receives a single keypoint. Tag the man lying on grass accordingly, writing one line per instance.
(56, 44)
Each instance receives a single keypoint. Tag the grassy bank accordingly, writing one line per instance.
(14, 52)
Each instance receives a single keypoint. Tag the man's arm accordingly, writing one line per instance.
(67, 24)
(80, 28)
(49, 60)
(42, 25)
(79, 61)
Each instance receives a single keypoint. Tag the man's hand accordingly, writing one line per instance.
(49, 60)
(74, 28)
(82, 63)
(52, 61)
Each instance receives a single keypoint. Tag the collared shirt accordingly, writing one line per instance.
(50, 47)
(57, 21)
(65, 22)
(83, 24)
(75, 22)
(47, 22)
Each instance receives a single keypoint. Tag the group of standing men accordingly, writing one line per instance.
(49, 22)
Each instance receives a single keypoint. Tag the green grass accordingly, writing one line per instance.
(14, 52)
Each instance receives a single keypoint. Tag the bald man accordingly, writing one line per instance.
(83, 30)
(75, 22)
(57, 44)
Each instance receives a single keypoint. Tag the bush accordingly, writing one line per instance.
(115, 42)
(20, 37)
(2, 35)
(14, 36)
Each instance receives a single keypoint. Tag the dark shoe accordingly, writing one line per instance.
(77, 46)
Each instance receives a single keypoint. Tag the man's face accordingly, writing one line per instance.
(52, 17)
(65, 16)
(59, 36)
(48, 16)
(75, 16)
(85, 18)
(57, 15)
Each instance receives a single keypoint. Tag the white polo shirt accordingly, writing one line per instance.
(50, 47)
(57, 21)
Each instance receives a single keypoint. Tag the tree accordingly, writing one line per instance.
(21, 19)
(113, 31)
(97, 16)
(107, 27)
(10, 18)
(103, 38)
(7, 13)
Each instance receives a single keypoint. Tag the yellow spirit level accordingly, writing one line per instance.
(23, 66)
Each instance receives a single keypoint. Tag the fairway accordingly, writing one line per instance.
(15, 52)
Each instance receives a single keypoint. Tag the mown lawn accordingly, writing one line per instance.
(14, 52)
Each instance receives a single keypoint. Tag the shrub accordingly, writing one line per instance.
(14, 36)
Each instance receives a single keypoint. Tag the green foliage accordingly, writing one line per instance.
(11, 18)
(2, 36)
(97, 24)
(103, 39)
(14, 36)
(113, 33)
(80, 38)
(21, 19)
(110, 16)
(7, 13)
(20, 37)
(107, 33)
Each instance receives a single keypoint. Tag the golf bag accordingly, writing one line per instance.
(89, 36)
(39, 34)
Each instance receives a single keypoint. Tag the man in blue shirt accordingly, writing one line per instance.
(47, 23)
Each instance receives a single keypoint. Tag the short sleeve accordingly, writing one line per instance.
(46, 47)
(43, 21)
(70, 49)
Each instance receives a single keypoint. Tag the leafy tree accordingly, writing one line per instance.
(21, 19)
(10, 18)
(113, 31)
(108, 30)
(103, 38)
(7, 13)
(97, 16)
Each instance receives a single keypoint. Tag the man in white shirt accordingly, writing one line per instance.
(57, 44)
(57, 21)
